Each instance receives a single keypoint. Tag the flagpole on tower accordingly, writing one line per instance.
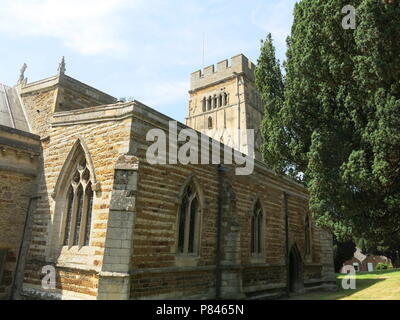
(204, 45)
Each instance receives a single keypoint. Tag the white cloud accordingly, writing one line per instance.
(147, 48)
(87, 26)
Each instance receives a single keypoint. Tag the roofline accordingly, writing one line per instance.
(133, 109)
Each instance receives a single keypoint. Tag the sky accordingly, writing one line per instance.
(141, 49)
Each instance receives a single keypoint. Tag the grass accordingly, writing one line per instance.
(379, 285)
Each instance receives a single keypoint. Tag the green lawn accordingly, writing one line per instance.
(379, 285)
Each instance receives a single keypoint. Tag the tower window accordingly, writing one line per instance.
(225, 98)
(215, 102)
(209, 102)
(210, 123)
(220, 100)
(204, 104)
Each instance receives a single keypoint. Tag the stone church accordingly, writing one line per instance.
(84, 215)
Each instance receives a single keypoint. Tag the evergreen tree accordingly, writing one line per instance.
(337, 126)
(269, 82)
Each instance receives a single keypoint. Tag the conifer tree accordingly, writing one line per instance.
(337, 125)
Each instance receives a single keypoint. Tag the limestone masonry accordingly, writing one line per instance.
(77, 194)
(225, 99)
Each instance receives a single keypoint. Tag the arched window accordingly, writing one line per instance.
(188, 222)
(209, 102)
(220, 98)
(73, 195)
(210, 123)
(74, 200)
(215, 101)
(78, 206)
(257, 229)
(307, 235)
(204, 104)
(225, 98)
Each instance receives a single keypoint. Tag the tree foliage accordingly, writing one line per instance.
(269, 81)
(336, 127)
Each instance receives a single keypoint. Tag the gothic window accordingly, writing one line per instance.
(220, 98)
(210, 123)
(307, 235)
(204, 104)
(257, 229)
(209, 102)
(215, 101)
(188, 222)
(78, 207)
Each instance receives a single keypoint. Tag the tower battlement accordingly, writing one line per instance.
(212, 74)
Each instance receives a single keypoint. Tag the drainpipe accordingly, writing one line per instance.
(286, 214)
(218, 254)
(19, 257)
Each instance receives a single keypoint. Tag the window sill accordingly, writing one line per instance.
(186, 261)
(77, 266)
(75, 257)
(257, 259)
(77, 249)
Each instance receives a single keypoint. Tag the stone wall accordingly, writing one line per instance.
(73, 95)
(155, 234)
(15, 192)
(39, 103)
(77, 269)
(133, 247)
(55, 94)
(19, 153)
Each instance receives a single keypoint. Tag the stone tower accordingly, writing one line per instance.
(224, 103)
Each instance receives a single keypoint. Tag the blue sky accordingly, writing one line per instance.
(145, 49)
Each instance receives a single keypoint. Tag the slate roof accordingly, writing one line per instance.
(11, 110)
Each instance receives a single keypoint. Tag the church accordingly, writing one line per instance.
(85, 215)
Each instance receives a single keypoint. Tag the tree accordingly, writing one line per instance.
(270, 83)
(339, 116)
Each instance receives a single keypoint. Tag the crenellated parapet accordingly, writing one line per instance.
(211, 75)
